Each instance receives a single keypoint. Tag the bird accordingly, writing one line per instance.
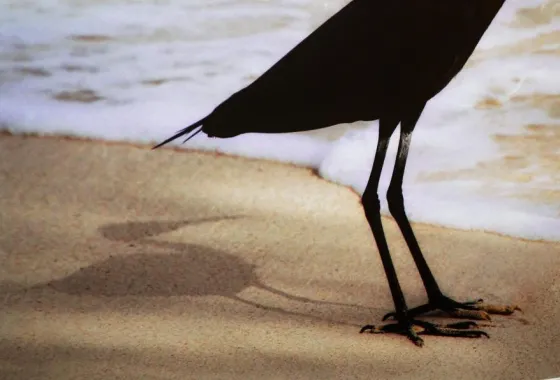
(372, 60)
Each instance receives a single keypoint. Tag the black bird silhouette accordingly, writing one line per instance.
(374, 59)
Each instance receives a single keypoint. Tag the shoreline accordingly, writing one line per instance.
(187, 150)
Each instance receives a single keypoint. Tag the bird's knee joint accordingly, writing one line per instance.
(370, 202)
(395, 200)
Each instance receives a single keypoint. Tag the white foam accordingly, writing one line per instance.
(160, 66)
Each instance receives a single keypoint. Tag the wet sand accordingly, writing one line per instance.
(118, 262)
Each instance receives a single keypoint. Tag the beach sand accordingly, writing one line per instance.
(118, 262)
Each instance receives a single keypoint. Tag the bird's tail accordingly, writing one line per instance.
(183, 132)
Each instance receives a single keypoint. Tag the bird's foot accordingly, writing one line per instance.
(471, 310)
(412, 329)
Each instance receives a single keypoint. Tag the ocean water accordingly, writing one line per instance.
(485, 154)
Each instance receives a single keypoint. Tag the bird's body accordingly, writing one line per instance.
(374, 59)
(370, 58)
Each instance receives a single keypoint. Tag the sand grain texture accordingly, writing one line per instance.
(117, 262)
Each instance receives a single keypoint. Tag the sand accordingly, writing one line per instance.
(118, 262)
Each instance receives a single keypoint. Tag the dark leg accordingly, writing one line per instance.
(370, 200)
(475, 310)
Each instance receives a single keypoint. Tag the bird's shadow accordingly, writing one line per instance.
(174, 269)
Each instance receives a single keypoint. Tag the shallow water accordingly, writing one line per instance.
(485, 154)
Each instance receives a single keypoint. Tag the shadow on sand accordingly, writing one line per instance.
(177, 270)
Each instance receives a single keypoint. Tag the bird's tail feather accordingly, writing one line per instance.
(183, 132)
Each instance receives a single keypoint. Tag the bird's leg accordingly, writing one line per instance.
(370, 200)
(437, 300)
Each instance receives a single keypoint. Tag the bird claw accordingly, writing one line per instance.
(412, 329)
(472, 309)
